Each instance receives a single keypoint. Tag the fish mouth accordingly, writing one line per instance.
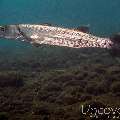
(3, 28)
(9, 32)
(2, 31)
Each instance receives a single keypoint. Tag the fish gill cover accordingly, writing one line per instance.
(51, 82)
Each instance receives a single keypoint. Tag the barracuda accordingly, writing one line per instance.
(46, 34)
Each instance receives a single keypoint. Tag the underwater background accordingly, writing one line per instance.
(50, 82)
(102, 15)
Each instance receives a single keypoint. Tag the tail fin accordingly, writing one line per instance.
(115, 51)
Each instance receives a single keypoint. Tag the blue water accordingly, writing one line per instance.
(103, 16)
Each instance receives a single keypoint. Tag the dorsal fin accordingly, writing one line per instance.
(84, 28)
(47, 24)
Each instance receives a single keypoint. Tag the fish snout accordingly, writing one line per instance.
(2, 31)
(9, 32)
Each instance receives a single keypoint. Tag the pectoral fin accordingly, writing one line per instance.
(35, 44)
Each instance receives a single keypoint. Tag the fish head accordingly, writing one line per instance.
(2, 31)
(9, 32)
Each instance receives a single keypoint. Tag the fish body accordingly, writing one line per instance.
(63, 37)
(45, 34)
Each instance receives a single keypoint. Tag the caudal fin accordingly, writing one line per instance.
(115, 51)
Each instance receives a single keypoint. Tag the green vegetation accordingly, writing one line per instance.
(58, 94)
(12, 78)
(3, 116)
(55, 89)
